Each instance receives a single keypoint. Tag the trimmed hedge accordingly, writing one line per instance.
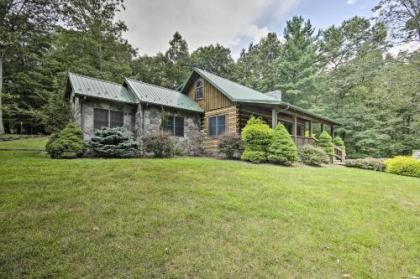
(313, 156)
(114, 142)
(68, 141)
(366, 163)
(282, 149)
(403, 165)
(256, 136)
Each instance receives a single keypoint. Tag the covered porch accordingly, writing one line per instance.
(299, 122)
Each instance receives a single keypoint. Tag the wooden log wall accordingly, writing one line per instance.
(231, 127)
(212, 97)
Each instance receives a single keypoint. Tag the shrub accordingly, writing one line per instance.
(256, 136)
(314, 156)
(68, 141)
(114, 142)
(339, 143)
(194, 144)
(158, 145)
(231, 146)
(403, 165)
(325, 142)
(254, 156)
(282, 149)
(366, 163)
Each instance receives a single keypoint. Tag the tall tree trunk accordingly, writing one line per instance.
(1, 87)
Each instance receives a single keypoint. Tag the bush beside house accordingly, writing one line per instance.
(68, 142)
(158, 145)
(313, 156)
(403, 165)
(256, 137)
(230, 146)
(282, 149)
(366, 163)
(325, 142)
(114, 142)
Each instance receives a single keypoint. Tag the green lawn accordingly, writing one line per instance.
(203, 218)
(29, 143)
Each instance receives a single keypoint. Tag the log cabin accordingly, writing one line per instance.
(206, 103)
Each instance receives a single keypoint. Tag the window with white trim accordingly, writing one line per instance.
(104, 118)
(216, 125)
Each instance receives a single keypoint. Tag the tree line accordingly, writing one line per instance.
(343, 72)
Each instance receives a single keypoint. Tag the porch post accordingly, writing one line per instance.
(274, 119)
(295, 127)
(332, 130)
(310, 128)
(322, 127)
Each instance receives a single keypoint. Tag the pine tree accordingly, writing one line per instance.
(282, 149)
(298, 66)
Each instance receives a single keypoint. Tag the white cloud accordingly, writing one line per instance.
(256, 33)
(352, 2)
(228, 22)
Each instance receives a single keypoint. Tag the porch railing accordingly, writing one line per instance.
(300, 141)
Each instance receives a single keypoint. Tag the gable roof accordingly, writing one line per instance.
(239, 93)
(153, 94)
(134, 93)
(103, 89)
(234, 91)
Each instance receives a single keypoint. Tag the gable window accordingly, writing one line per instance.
(175, 126)
(103, 118)
(216, 125)
(199, 89)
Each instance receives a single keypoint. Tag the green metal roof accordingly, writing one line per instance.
(242, 94)
(162, 96)
(235, 91)
(97, 88)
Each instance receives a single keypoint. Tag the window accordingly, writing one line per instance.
(100, 118)
(175, 125)
(216, 125)
(199, 89)
(116, 119)
(107, 118)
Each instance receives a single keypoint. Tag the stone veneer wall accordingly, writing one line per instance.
(141, 119)
(153, 121)
(83, 114)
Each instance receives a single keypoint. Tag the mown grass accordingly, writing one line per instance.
(27, 143)
(203, 218)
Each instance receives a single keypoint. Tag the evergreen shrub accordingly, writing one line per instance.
(339, 143)
(68, 142)
(325, 142)
(403, 165)
(114, 142)
(282, 149)
(256, 137)
(313, 156)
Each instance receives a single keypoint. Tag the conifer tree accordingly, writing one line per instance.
(282, 149)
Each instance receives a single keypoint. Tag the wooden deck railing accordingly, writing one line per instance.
(339, 154)
(300, 141)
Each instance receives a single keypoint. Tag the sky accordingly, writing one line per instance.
(232, 23)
